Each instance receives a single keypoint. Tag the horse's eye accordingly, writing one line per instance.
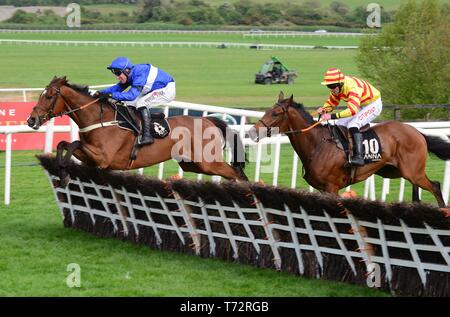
(275, 114)
(47, 96)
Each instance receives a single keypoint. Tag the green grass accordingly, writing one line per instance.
(36, 249)
(170, 37)
(209, 76)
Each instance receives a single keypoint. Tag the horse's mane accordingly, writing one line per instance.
(305, 114)
(84, 89)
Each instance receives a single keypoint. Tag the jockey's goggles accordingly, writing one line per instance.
(116, 71)
(333, 86)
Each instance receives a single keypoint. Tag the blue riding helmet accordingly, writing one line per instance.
(119, 65)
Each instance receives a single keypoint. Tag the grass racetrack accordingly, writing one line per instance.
(223, 77)
(36, 249)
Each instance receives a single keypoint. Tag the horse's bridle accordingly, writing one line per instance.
(268, 126)
(50, 113)
(285, 110)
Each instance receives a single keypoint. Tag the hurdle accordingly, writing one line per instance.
(400, 247)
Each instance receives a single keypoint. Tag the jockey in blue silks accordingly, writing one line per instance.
(149, 86)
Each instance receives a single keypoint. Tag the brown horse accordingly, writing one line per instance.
(109, 146)
(404, 154)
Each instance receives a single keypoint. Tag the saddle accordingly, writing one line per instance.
(371, 143)
(129, 119)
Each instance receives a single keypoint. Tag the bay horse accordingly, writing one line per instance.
(404, 154)
(109, 147)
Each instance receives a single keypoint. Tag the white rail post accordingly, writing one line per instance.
(446, 183)
(8, 168)
(258, 161)
(49, 136)
(242, 127)
(401, 193)
(366, 188)
(372, 189)
(73, 131)
(385, 190)
(276, 164)
(369, 188)
(294, 171)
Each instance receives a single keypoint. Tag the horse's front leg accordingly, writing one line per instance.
(63, 160)
(59, 152)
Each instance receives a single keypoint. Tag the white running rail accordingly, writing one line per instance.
(436, 128)
(170, 44)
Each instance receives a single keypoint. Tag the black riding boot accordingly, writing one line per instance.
(146, 136)
(357, 158)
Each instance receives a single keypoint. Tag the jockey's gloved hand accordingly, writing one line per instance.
(321, 110)
(104, 96)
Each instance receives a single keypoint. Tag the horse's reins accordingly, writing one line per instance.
(49, 115)
(101, 113)
(305, 129)
(269, 128)
(76, 109)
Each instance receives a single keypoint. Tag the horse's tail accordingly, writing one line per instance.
(238, 155)
(438, 146)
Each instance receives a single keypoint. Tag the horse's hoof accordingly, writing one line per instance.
(64, 182)
(445, 212)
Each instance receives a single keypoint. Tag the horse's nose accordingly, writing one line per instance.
(31, 121)
(253, 134)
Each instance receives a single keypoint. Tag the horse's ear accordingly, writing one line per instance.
(281, 96)
(291, 99)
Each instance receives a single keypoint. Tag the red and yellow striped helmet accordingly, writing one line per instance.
(333, 76)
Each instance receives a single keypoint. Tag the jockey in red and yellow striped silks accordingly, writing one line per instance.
(356, 92)
(363, 106)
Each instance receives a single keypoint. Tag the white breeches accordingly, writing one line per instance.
(364, 116)
(155, 98)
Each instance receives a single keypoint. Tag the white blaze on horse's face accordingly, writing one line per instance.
(34, 119)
